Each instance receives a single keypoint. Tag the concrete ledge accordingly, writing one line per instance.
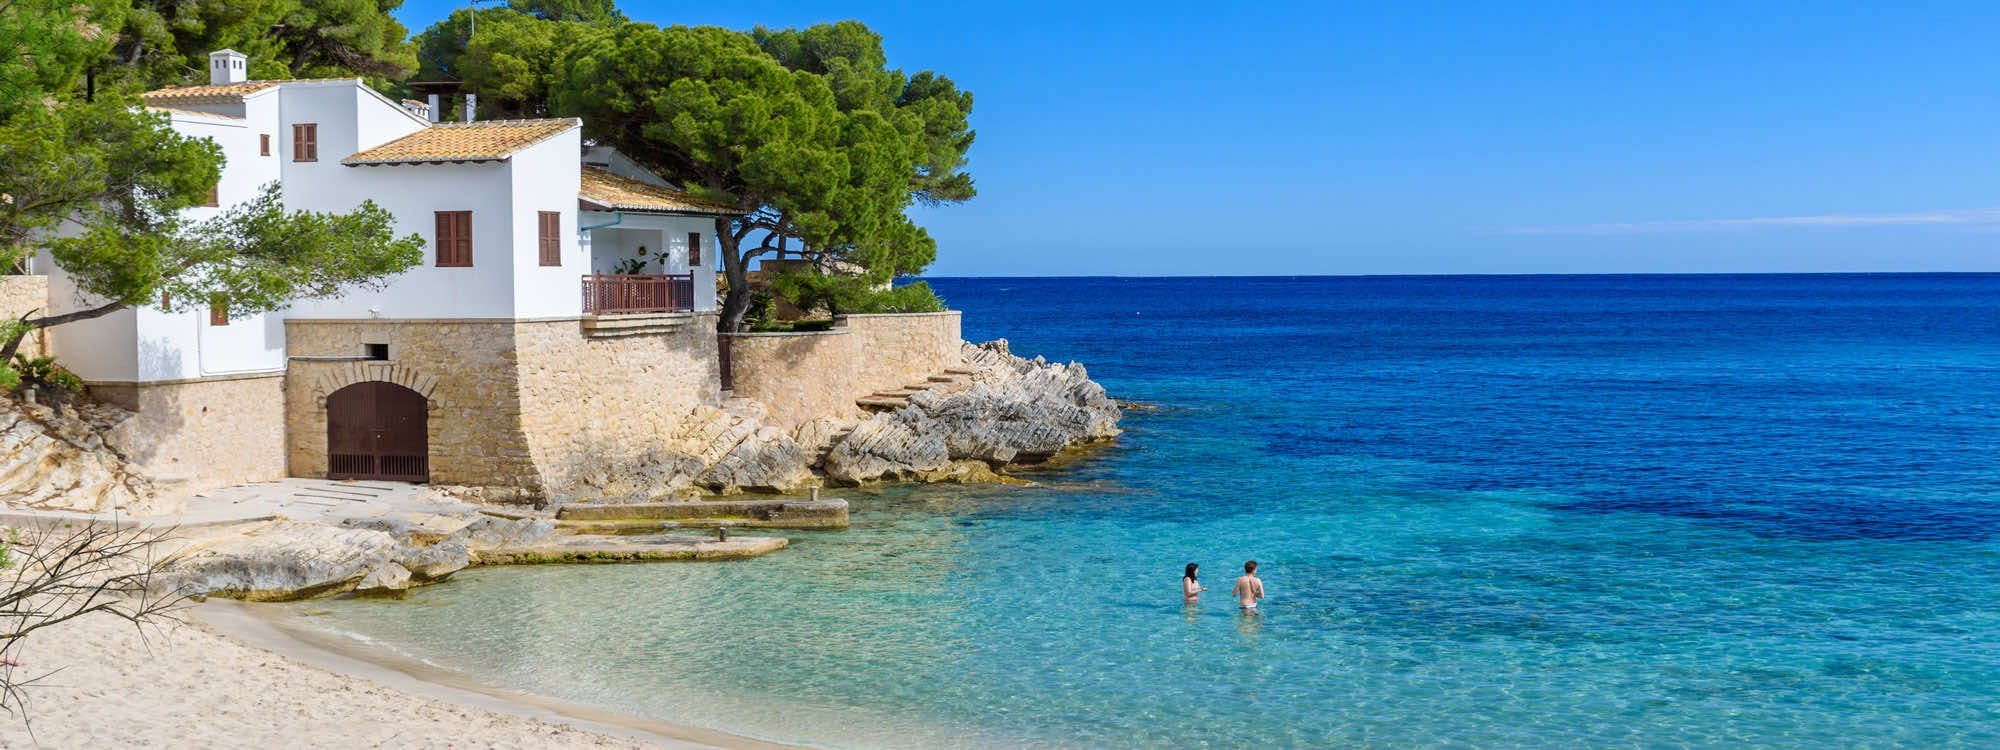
(661, 548)
(600, 326)
(830, 513)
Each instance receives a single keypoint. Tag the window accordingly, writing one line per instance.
(454, 239)
(378, 352)
(694, 250)
(214, 196)
(218, 312)
(550, 230)
(166, 300)
(263, 144)
(305, 142)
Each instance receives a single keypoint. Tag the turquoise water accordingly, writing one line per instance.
(1530, 511)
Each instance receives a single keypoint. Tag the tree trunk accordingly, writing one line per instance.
(35, 324)
(735, 267)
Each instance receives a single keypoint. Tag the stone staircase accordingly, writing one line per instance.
(952, 378)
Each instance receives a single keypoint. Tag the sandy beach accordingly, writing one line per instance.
(229, 678)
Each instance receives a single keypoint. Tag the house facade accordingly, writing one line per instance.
(565, 305)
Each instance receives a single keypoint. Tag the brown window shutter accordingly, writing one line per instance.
(214, 196)
(218, 312)
(694, 250)
(550, 226)
(464, 236)
(454, 239)
(264, 144)
(305, 142)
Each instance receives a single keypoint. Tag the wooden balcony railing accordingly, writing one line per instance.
(637, 293)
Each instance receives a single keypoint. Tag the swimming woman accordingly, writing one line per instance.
(1190, 586)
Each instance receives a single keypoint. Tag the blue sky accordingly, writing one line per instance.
(1380, 138)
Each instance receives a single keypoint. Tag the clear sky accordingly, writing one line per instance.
(1154, 138)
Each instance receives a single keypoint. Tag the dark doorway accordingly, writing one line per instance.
(377, 430)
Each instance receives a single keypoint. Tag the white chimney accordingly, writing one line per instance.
(471, 107)
(433, 110)
(228, 66)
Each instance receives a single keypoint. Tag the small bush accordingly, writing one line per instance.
(43, 372)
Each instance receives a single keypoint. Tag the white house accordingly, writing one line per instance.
(528, 237)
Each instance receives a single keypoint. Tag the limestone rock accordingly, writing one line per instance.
(436, 562)
(816, 437)
(488, 533)
(57, 459)
(887, 446)
(388, 579)
(281, 561)
(1016, 410)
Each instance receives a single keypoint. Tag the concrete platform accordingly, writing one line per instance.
(652, 548)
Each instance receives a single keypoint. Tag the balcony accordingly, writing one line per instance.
(623, 294)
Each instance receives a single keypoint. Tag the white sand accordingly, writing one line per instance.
(192, 687)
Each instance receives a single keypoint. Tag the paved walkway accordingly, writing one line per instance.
(298, 499)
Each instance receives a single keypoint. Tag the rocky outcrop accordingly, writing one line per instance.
(1015, 411)
(57, 459)
(286, 560)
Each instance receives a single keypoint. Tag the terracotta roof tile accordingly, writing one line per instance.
(619, 193)
(492, 140)
(222, 91)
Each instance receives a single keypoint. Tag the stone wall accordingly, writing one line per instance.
(194, 436)
(805, 376)
(465, 369)
(23, 294)
(600, 414)
(799, 377)
(532, 409)
(900, 349)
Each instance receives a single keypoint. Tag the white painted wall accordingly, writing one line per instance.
(545, 177)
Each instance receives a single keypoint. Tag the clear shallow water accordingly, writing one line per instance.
(1528, 511)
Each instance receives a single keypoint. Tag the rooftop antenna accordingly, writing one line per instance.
(473, 27)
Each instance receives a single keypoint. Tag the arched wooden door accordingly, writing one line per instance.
(377, 430)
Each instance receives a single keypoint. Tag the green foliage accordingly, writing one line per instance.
(166, 42)
(45, 373)
(851, 295)
(9, 379)
(255, 257)
(512, 59)
(50, 43)
(631, 266)
(807, 130)
(114, 170)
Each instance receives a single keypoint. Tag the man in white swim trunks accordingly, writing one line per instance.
(1249, 588)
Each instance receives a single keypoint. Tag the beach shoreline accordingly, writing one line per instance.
(238, 675)
(275, 630)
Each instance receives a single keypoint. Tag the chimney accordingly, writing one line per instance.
(434, 108)
(227, 66)
(471, 107)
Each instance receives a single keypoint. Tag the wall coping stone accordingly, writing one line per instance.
(902, 315)
(836, 331)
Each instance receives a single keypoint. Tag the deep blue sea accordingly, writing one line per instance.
(1587, 511)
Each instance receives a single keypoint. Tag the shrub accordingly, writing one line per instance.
(44, 372)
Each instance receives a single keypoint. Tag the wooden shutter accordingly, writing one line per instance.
(218, 312)
(550, 230)
(454, 239)
(263, 144)
(694, 250)
(214, 196)
(305, 142)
